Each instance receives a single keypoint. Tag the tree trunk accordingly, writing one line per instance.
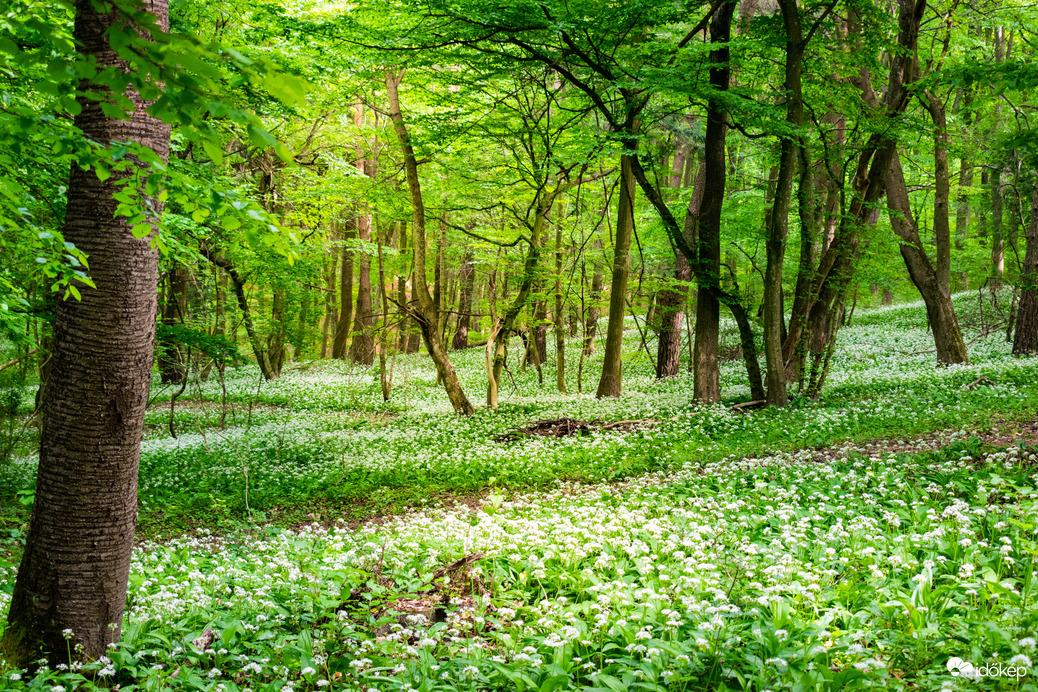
(778, 226)
(939, 310)
(1026, 338)
(706, 374)
(258, 349)
(277, 338)
(610, 383)
(342, 325)
(172, 364)
(558, 317)
(497, 346)
(591, 318)
(75, 566)
(467, 279)
(998, 251)
(362, 347)
(672, 301)
(425, 312)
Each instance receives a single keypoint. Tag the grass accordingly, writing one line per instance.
(716, 549)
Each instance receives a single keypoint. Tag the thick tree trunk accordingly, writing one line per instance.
(706, 373)
(672, 301)
(610, 383)
(1026, 338)
(76, 562)
(672, 318)
(838, 259)
(425, 311)
(942, 193)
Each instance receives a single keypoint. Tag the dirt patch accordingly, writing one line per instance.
(1004, 433)
(571, 427)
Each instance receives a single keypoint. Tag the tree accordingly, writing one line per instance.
(424, 310)
(74, 571)
(1026, 339)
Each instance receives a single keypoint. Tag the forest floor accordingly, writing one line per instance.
(322, 538)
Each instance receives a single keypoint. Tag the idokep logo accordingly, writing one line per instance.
(957, 667)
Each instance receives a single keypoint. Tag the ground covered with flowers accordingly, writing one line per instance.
(870, 539)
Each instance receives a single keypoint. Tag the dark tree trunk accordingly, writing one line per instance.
(75, 567)
(672, 301)
(593, 312)
(468, 283)
(774, 321)
(362, 348)
(706, 373)
(1026, 338)
(172, 362)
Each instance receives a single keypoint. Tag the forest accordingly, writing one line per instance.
(438, 345)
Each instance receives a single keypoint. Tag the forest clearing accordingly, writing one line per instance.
(421, 345)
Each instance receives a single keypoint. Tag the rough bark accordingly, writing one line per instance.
(75, 566)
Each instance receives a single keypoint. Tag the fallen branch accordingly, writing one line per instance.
(748, 405)
(640, 421)
(979, 381)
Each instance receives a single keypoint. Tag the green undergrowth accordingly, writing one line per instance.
(860, 569)
(321, 442)
(323, 539)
